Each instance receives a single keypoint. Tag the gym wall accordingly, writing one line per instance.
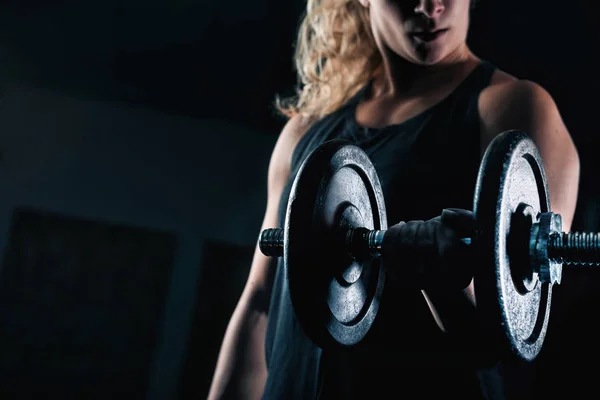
(126, 175)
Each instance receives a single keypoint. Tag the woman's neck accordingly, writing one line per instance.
(401, 78)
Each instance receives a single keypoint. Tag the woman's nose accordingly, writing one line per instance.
(430, 8)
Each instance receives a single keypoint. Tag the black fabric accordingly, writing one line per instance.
(425, 164)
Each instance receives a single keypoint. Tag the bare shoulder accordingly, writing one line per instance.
(295, 128)
(280, 164)
(509, 103)
(512, 99)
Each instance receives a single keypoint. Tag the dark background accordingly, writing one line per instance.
(131, 122)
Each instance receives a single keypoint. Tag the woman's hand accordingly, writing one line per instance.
(429, 254)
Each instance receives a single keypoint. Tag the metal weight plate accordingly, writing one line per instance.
(510, 193)
(334, 297)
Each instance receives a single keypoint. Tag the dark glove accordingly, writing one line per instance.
(427, 254)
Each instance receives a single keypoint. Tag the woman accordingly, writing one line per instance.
(398, 79)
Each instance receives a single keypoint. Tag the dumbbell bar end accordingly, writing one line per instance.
(271, 242)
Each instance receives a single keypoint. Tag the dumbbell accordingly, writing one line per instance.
(336, 219)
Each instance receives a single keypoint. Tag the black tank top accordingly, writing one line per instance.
(425, 164)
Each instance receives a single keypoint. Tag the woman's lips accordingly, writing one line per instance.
(429, 36)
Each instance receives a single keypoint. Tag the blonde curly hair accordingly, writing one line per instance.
(335, 55)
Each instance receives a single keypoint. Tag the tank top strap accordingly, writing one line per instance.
(326, 128)
(472, 85)
(465, 99)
